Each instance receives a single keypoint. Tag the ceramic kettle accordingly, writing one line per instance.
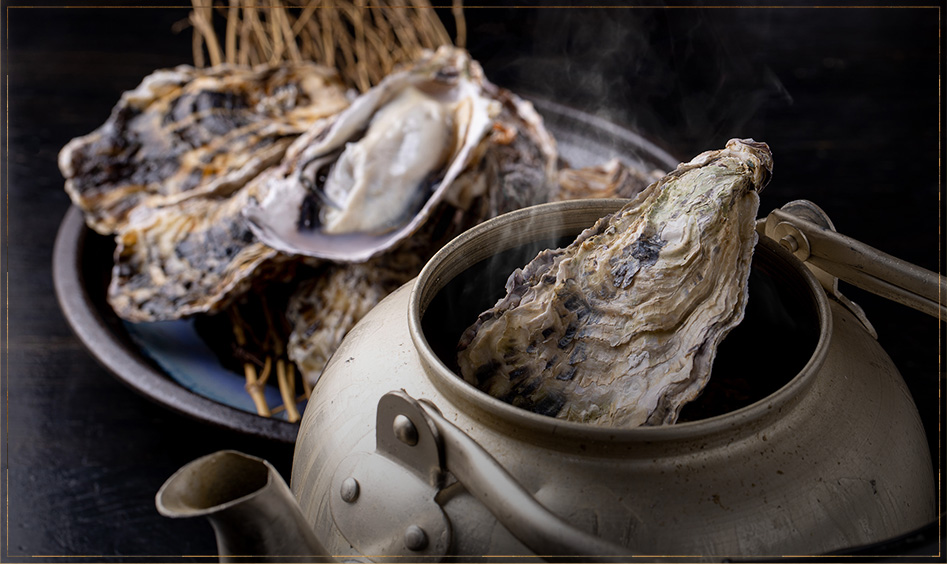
(397, 457)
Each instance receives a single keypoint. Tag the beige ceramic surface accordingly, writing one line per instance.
(834, 459)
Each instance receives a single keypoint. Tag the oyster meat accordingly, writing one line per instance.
(621, 327)
(187, 132)
(355, 186)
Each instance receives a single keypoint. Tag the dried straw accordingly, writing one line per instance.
(254, 383)
(363, 41)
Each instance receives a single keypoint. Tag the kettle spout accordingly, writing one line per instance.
(251, 509)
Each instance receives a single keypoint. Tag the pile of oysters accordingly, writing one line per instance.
(225, 184)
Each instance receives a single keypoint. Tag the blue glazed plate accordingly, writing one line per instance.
(177, 348)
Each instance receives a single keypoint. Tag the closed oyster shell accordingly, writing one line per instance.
(621, 327)
(193, 257)
(516, 166)
(187, 132)
(611, 179)
(326, 307)
(357, 185)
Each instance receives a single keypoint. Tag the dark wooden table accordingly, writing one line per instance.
(847, 98)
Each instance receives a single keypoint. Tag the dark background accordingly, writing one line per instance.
(848, 99)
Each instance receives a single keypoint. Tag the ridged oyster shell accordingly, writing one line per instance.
(186, 132)
(370, 177)
(326, 307)
(621, 327)
(193, 257)
(611, 179)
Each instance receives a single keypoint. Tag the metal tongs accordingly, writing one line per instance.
(805, 230)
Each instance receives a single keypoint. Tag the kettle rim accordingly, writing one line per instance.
(551, 219)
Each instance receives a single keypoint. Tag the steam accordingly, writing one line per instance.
(683, 78)
(680, 78)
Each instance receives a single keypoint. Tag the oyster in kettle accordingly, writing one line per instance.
(187, 132)
(355, 186)
(621, 327)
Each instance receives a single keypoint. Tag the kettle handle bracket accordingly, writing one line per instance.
(806, 231)
(405, 432)
(416, 433)
(384, 502)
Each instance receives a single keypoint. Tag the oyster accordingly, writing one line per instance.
(193, 257)
(187, 132)
(326, 307)
(621, 327)
(611, 179)
(355, 186)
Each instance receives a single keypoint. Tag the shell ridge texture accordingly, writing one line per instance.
(620, 328)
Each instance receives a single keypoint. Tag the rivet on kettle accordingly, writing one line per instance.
(415, 538)
(405, 430)
(349, 490)
(789, 243)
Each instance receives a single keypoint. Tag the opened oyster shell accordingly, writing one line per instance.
(329, 303)
(355, 186)
(621, 327)
(187, 132)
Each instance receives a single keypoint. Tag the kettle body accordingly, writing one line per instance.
(834, 456)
